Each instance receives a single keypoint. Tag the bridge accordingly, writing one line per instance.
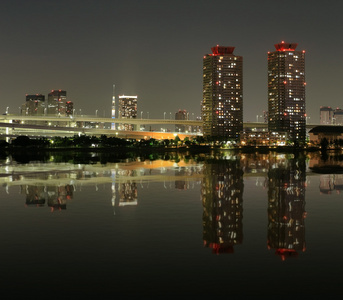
(14, 125)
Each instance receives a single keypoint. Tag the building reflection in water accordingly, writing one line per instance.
(221, 192)
(55, 196)
(331, 183)
(128, 190)
(286, 205)
(222, 184)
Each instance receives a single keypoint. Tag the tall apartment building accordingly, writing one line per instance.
(286, 92)
(127, 109)
(222, 104)
(57, 103)
(326, 115)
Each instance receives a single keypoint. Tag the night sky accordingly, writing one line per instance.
(154, 49)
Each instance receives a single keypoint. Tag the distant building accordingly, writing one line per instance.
(181, 115)
(222, 104)
(34, 105)
(57, 103)
(326, 115)
(69, 108)
(330, 133)
(113, 110)
(286, 92)
(338, 116)
(127, 109)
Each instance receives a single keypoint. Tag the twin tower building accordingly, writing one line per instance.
(222, 104)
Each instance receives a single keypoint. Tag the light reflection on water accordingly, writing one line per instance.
(236, 224)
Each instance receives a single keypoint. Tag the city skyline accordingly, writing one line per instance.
(154, 49)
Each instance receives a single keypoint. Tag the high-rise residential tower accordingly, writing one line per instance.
(222, 104)
(127, 109)
(286, 92)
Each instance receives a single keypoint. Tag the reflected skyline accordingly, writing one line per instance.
(183, 221)
(219, 178)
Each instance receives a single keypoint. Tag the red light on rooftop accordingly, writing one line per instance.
(285, 46)
(222, 50)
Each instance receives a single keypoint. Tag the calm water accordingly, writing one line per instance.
(225, 224)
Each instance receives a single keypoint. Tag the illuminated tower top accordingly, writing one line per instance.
(222, 50)
(285, 46)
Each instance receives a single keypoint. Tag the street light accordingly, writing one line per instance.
(141, 114)
(170, 115)
(96, 112)
(148, 114)
(164, 115)
(7, 108)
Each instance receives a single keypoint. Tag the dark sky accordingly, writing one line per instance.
(154, 49)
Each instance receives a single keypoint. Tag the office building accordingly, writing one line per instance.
(69, 108)
(286, 93)
(181, 115)
(222, 104)
(338, 116)
(127, 109)
(57, 103)
(34, 105)
(326, 115)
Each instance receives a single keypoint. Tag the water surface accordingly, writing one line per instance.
(226, 224)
